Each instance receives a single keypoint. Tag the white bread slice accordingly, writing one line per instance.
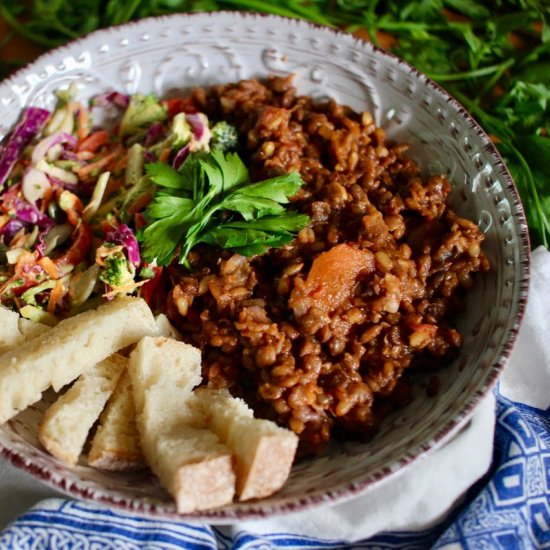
(66, 424)
(165, 327)
(61, 354)
(30, 329)
(9, 335)
(264, 451)
(189, 461)
(17, 329)
(115, 445)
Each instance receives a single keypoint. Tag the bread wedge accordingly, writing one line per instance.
(31, 329)
(264, 452)
(9, 332)
(16, 329)
(61, 354)
(190, 461)
(115, 445)
(165, 327)
(66, 424)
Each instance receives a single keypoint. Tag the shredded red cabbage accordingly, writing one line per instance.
(70, 155)
(72, 187)
(47, 143)
(28, 213)
(9, 230)
(124, 236)
(149, 156)
(154, 133)
(31, 123)
(181, 156)
(196, 124)
(111, 98)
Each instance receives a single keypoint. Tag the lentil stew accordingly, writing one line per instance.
(319, 335)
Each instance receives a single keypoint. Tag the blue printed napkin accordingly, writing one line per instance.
(509, 507)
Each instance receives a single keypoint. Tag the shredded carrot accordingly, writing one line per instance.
(94, 141)
(107, 225)
(120, 164)
(56, 295)
(49, 267)
(19, 239)
(25, 262)
(165, 154)
(74, 211)
(83, 124)
(98, 166)
(124, 289)
(85, 155)
(140, 203)
(139, 220)
(112, 185)
(48, 196)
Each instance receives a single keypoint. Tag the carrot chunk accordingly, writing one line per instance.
(331, 279)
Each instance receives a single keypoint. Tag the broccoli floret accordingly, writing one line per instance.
(180, 134)
(142, 111)
(30, 295)
(117, 271)
(224, 137)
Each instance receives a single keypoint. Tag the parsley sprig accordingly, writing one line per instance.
(210, 200)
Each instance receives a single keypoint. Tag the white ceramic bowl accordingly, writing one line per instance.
(170, 53)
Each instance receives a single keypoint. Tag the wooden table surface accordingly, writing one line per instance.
(18, 47)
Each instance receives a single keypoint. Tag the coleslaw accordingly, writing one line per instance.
(73, 195)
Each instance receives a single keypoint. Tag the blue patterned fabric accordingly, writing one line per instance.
(508, 509)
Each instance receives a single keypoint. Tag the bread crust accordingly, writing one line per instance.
(264, 452)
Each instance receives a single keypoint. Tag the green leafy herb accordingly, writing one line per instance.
(210, 200)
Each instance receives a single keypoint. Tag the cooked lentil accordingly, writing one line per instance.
(317, 334)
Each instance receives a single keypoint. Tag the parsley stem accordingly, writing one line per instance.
(538, 212)
(6, 14)
(484, 71)
(491, 83)
(296, 13)
(126, 12)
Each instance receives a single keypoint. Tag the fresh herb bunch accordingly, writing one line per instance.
(493, 55)
(210, 200)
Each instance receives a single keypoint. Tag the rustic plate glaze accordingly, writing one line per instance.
(166, 54)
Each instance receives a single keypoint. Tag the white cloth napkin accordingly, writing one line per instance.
(418, 498)
(426, 492)
(527, 376)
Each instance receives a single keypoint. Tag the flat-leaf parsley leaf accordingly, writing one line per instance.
(210, 200)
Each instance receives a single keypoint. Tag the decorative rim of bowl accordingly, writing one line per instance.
(345, 491)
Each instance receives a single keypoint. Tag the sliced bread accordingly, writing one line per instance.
(190, 461)
(264, 452)
(61, 354)
(67, 422)
(9, 335)
(115, 445)
(165, 327)
(30, 329)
